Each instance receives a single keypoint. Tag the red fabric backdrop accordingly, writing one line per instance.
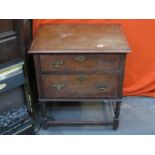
(140, 64)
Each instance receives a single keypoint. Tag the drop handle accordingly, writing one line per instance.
(80, 58)
(58, 86)
(101, 87)
(57, 63)
(2, 86)
(81, 78)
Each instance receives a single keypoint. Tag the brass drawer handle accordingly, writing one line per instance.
(58, 86)
(81, 78)
(57, 63)
(2, 86)
(80, 58)
(101, 87)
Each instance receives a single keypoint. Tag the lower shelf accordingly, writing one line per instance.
(57, 121)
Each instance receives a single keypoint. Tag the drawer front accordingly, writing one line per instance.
(9, 49)
(79, 62)
(79, 86)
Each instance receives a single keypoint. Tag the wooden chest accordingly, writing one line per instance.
(79, 62)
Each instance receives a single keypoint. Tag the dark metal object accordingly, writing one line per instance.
(14, 117)
(15, 39)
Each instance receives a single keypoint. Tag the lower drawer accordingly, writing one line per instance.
(79, 86)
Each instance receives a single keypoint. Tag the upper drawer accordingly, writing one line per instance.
(79, 62)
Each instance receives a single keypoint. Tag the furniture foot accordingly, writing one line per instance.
(115, 124)
(44, 124)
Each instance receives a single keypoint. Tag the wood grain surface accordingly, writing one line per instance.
(104, 38)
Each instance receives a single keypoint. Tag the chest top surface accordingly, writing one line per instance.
(105, 38)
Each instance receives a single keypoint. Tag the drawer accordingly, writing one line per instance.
(9, 49)
(79, 62)
(79, 86)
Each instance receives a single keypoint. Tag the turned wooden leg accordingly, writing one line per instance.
(50, 117)
(116, 115)
(44, 115)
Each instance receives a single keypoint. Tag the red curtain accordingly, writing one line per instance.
(140, 64)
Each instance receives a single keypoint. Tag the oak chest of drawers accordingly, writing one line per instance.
(80, 63)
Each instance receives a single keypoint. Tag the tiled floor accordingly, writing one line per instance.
(137, 117)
